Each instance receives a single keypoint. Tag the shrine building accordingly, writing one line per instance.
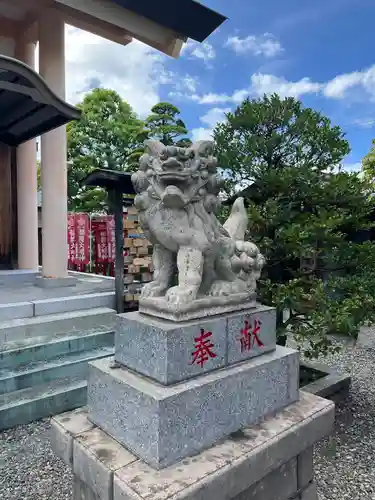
(33, 105)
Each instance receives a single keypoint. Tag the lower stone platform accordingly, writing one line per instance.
(269, 461)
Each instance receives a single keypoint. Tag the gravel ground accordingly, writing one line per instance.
(29, 470)
(344, 463)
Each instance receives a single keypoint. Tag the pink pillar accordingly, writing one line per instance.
(27, 210)
(53, 151)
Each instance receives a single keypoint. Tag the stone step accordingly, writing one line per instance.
(66, 322)
(54, 305)
(34, 403)
(17, 353)
(74, 303)
(74, 365)
(14, 277)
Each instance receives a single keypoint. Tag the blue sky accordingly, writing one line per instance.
(321, 51)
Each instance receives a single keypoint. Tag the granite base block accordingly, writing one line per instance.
(170, 352)
(164, 351)
(267, 461)
(164, 424)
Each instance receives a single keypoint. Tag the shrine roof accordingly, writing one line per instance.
(110, 179)
(186, 17)
(28, 107)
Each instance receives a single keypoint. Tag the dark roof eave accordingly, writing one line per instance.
(67, 110)
(110, 179)
(38, 109)
(186, 17)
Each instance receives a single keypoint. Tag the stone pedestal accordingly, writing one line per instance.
(177, 388)
(200, 409)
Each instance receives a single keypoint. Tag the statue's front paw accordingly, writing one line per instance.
(179, 296)
(152, 289)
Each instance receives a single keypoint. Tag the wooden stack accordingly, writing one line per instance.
(137, 257)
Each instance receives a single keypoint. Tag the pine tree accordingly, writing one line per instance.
(164, 125)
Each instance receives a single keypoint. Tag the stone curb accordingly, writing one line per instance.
(332, 385)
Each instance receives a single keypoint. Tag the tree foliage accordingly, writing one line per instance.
(165, 125)
(368, 165)
(103, 138)
(304, 216)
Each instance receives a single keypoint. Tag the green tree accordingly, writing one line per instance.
(164, 124)
(368, 165)
(104, 138)
(304, 215)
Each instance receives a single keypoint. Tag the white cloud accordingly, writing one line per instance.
(212, 98)
(184, 87)
(364, 122)
(365, 80)
(262, 84)
(190, 83)
(204, 51)
(211, 119)
(136, 71)
(337, 87)
(268, 84)
(201, 134)
(263, 45)
(352, 167)
(214, 116)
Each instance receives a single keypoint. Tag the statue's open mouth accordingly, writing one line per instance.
(173, 197)
(173, 176)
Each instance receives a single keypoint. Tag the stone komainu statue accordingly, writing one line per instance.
(177, 200)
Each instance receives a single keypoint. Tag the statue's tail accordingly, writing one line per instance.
(237, 222)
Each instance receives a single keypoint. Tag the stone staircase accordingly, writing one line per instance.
(44, 355)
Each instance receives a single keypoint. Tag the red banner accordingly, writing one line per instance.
(72, 240)
(101, 241)
(83, 239)
(111, 235)
(78, 239)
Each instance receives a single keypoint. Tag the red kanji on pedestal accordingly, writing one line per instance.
(203, 348)
(250, 335)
